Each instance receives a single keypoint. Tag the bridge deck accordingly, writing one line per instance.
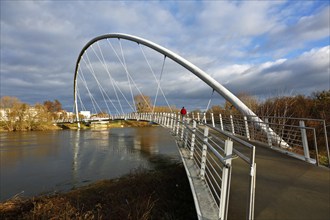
(286, 188)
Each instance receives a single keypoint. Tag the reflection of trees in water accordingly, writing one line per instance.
(16, 146)
(68, 158)
(146, 140)
(75, 162)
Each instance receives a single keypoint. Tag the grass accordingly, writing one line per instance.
(160, 194)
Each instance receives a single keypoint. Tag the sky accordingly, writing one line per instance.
(262, 48)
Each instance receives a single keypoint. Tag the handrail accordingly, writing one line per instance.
(212, 153)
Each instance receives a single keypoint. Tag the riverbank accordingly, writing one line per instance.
(105, 124)
(108, 124)
(47, 126)
(161, 194)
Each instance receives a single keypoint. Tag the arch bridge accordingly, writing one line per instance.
(119, 76)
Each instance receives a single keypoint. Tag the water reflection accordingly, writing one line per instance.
(37, 162)
(15, 146)
(75, 164)
(146, 143)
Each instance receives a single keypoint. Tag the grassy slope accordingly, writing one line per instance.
(161, 194)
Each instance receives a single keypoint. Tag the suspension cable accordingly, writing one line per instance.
(111, 79)
(101, 87)
(208, 104)
(82, 78)
(160, 77)
(127, 73)
(158, 83)
(79, 98)
(97, 81)
(130, 77)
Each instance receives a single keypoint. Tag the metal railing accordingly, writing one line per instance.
(211, 141)
(302, 138)
(212, 151)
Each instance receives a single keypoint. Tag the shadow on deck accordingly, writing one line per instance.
(286, 188)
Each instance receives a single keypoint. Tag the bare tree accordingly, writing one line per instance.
(143, 103)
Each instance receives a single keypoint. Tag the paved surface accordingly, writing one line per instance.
(286, 188)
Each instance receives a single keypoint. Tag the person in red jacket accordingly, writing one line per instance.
(183, 112)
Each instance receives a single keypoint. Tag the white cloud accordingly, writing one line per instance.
(304, 74)
(286, 37)
(244, 44)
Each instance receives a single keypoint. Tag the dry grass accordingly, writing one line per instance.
(162, 194)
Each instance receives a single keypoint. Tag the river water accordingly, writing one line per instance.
(34, 163)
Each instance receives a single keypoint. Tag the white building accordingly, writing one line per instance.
(86, 114)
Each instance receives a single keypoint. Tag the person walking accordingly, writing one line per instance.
(183, 112)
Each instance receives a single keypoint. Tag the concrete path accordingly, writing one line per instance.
(286, 188)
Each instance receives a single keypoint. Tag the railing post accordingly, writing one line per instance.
(246, 128)
(156, 117)
(174, 123)
(225, 183)
(177, 125)
(304, 140)
(186, 133)
(168, 120)
(212, 117)
(192, 146)
(182, 128)
(204, 118)
(165, 119)
(269, 136)
(204, 152)
(253, 171)
(171, 121)
(221, 123)
(232, 124)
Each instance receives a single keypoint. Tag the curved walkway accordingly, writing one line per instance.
(286, 188)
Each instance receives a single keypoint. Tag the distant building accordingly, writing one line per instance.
(3, 114)
(86, 114)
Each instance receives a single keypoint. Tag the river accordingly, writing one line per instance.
(34, 163)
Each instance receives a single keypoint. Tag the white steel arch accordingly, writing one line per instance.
(239, 105)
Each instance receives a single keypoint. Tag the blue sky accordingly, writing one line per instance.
(263, 48)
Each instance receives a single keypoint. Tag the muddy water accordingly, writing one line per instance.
(34, 163)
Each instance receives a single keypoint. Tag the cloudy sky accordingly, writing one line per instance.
(263, 48)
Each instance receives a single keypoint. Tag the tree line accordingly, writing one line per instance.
(17, 116)
(316, 105)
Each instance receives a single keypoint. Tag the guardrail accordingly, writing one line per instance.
(211, 144)
(302, 138)
(212, 151)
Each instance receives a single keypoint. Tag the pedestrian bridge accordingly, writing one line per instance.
(221, 166)
(239, 166)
